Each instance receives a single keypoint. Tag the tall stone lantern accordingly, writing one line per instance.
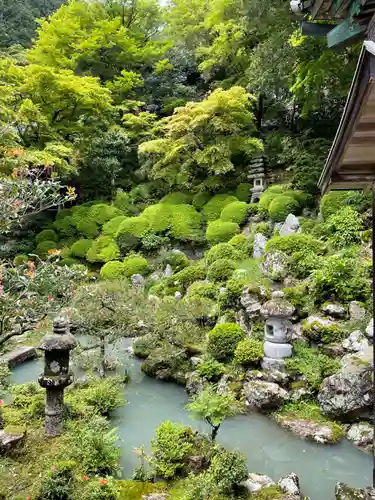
(277, 330)
(56, 374)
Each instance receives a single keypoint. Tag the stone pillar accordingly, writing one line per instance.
(277, 330)
(56, 374)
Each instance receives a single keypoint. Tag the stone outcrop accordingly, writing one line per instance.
(289, 484)
(356, 342)
(9, 441)
(275, 265)
(362, 435)
(344, 492)
(256, 482)
(260, 242)
(333, 309)
(250, 302)
(290, 226)
(370, 329)
(264, 396)
(18, 356)
(356, 311)
(137, 280)
(306, 429)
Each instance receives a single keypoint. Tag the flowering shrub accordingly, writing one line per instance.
(43, 248)
(59, 482)
(101, 489)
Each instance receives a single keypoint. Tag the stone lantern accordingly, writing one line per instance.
(257, 175)
(277, 331)
(56, 374)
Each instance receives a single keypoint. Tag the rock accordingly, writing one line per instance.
(275, 266)
(300, 393)
(333, 309)
(194, 384)
(264, 395)
(195, 360)
(155, 276)
(356, 342)
(197, 463)
(156, 496)
(357, 361)
(289, 484)
(362, 435)
(256, 482)
(168, 270)
(348, 394)
(260, 242)
(309, 430)
(356, 311)
(250, 303)
(335, 350)
(178, 295)
(18, 356)
(244, 322)
(344, 492)
(9, 441)
(370, 329)
(137, 280)
(276, 376)
(290, 226)
(311, 320)
(222, 290)
(223, 384)
(82, 381)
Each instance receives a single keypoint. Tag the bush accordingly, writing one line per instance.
(235, 212)
(200, 199)
(103, 249)
(112, 270)
(103, 395)
(214, 207)
(151, 242)
(123, 202)
(221, 270)
(46, 235)
(210, 369)
(130, 233)
(111, 227)
(143, 346)
(59, 482)
(79, 248)
(332, 202)
(101, 489)
(176, 259)
(102, 213)
(202, 289)
(20, 259)
(319, 332)
(220, 231)
(68, 261)
(223, 340)
(87, 228)
(190, 274)
(171, 448)
(243, 244)
(222, 251)
(295, 243)
(65, 226)
(249, 351)
(281, 207)
(262, 228)
(186, 223)
(243, 191)
(177, 198)
(344, 228)
(159, 217)
(228, 470)
(135, 264)
(268, 196)
(43, 248)
(230, 299)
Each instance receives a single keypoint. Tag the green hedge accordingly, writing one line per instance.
(235, 212)
(46, 235)
(102, 213)
(220, 231)
(221, 270)
(223, 251)
(177, 198)
(223, 340)
(80, 248)
(112, 270)
(214, 207)
(136, 264)
(186, 223)
(103, 249)
(159, 217)
(281, 207)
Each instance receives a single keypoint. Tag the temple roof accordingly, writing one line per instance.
(362, 10)
(351, 160)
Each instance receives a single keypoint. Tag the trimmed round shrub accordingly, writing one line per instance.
(186, 223)
(136, 264)
(46, 235)
(252, 209)
(220, 231)
(20, 259)
(223, 340)
(293, 243)
(210, 369)
(243, 191)
(102, 213)
(43, 248)
(188, 275)
(222, 251)
(214, 207)
(80, 248)
(269, 195)
(235, 212)
(177, 198)
(103, 249)
(87, 227)
(200, 199)
(176, 259)
(263, 228)
(112, 270)
(249, 351)
(65, 226)
(281, 207)
(64, 212)
(135, 226)
(110, 228)
(123, 202)
(79, 212)
(202, 289)
(221, 270)
(242, 244)
(153, 241)
(68, 261)
(159, 217)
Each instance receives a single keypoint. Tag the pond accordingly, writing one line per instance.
(268, 448)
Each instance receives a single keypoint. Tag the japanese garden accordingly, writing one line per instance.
(185, 312)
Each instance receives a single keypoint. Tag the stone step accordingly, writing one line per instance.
(18, 356)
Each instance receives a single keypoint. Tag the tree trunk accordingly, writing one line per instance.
(215, 430)
(102, 357)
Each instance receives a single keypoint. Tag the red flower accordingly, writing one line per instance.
(17, 203)
(28, 498)
(53, 467)
(49, 298)
(1, 401)
(85, 478)
(103, 481)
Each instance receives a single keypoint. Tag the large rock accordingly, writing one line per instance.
(18, 356)
(348, 394)
(137, 280)
(194, 384)
(289, 484)
(256, 482)
(276, 265)
(356, 311)
(250, 303)
(264, 395)
(290, 226)
(370, 329)
(356, 342)
(333, 309)
(362, 435)
(260, 242)
(9, 441)
(344, 492)
(306, 429)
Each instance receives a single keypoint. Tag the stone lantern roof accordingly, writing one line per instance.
(277, 307)
(60, 340)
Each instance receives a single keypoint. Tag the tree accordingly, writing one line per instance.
(214, 408)
(204, 141)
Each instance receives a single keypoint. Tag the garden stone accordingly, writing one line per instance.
(9, 441)
(137, 280)
(195, 360)
(370, 329)
(223, 384)
(356, 311)
(309, 430)
(156, 496)
(178, 295)
(356, 342)
(260, 242)
(333, 309)
(264, 395)
(250, 303)
(275, 266)
(362, 435)
(289, 484)
(18, 356)
(300, 393)
(256, 482)
(194, 384)
(290, 226)
(276, 376)
(168, 270)
(318, 319)
(344, 492)
(243, 322)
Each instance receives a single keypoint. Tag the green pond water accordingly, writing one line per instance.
(269, 449)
